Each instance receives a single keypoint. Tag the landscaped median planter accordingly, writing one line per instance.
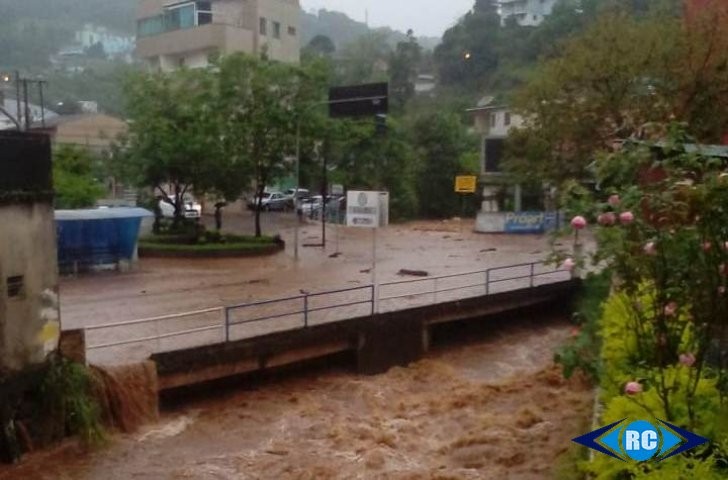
(225, 246)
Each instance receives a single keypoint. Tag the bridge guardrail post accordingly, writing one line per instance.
(374, 292)
(305, 311)
(487, 282)
(227, 325)
(533, 272)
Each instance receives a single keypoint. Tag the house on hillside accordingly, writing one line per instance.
(174, 34)
(525, 12)
(505, 207)
(115, 45)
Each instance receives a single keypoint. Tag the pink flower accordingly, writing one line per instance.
(671, 309)
(650, 249)
(633, 388)
(578, 223)
(707, 246)
(626, 218)
(569, 264)
(687, 359)
(614, 200)
(725, 246)
(607, 219)
(721, 290)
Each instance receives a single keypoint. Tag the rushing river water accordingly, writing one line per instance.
(488, 408)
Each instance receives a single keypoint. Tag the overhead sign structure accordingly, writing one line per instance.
(466, 184)
(359, 100)
(362, 209)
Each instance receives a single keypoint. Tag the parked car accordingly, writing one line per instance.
(311, 205)
(300, 193)
(191, 208)
(271, 201)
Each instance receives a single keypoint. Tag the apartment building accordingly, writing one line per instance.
(173, 34)
(526, 12)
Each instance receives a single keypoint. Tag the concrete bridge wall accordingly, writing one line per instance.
(379, 342)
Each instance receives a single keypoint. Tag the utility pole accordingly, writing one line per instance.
(324, 193)
(42, 102)
(17, 98)
(27, 106)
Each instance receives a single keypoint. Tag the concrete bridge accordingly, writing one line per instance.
(379, 326)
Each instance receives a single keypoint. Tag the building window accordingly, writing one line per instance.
(492, 120)
(507, 120)
(263, 26)
(204, 12)
(15, 286)
(276, 30)
(292, 31)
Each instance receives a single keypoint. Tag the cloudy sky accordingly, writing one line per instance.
(425, 17)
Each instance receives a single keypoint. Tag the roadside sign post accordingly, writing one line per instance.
(465, 185)
(344, 102)
(363, 211)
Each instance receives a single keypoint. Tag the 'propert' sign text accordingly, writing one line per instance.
(530, 222)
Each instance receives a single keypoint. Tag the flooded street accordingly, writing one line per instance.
(164, 286)
(490, 406)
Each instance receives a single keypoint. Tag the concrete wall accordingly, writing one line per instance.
(29, 321)
(93, 130)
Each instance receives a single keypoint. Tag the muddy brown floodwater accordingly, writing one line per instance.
(491, 406)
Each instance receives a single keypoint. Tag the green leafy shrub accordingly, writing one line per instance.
(64, 403)
(581, 353)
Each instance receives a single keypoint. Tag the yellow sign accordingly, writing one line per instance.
(466, 184)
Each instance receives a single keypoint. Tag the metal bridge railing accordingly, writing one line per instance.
(248, 320)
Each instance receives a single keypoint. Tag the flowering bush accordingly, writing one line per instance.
(665, 326)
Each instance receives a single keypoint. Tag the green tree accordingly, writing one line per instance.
(364, 60)
(444, 150)
(468, 52)
(320, 45)
(259, 103)
(624, 77)
(73, 180)
(403, 68)
(173, 142)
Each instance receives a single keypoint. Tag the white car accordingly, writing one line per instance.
(312, 205)
(301, 193)
(271, 201)
(191, 208)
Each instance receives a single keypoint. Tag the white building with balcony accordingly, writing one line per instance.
(186, 33)
(526, 12)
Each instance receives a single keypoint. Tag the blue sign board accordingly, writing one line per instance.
(531, 222)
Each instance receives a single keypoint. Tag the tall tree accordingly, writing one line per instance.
(444, 148)
(403, 68)
(624, 77)
(259, 104)
(173, 141)
(73, 178)
(468, 52)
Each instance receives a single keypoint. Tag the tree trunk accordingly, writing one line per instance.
(258, 208)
